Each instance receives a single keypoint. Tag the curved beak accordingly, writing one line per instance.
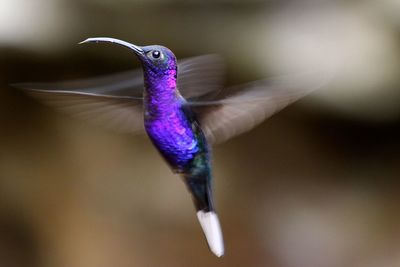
(137, 49)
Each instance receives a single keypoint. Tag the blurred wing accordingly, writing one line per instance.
(253, 103)
(127, 83)
(197, 76)
(200, 76)
(120, 113)
(116, 100)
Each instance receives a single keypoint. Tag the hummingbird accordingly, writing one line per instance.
(170, 100)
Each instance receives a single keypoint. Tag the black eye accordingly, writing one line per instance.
(156, 54)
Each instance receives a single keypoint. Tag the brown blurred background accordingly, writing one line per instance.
(315, 186)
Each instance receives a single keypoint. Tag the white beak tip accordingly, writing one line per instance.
(85, 41)
(212, 230)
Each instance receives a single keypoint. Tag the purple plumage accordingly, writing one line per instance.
(166, 123)
(171, 132)
(175, 132)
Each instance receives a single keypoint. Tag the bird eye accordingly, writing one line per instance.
(155, 54)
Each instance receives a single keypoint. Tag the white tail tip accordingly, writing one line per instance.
(212, 230)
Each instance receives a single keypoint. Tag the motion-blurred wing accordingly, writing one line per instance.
(115, 101)
(253, 103)
(126, 83)
(200, 76)
(197, 76)
(121, 113)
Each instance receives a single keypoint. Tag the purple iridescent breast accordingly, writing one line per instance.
(171, 132)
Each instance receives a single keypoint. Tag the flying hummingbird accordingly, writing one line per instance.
(179, 117)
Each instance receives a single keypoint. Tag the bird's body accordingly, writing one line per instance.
(177, 135)
(175, 132)
(179, 126)
(165, 120)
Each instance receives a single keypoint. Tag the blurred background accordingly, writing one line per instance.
(314, 186)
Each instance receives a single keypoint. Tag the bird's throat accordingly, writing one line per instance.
(160, 94)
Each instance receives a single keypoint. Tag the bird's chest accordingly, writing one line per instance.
(171, 132)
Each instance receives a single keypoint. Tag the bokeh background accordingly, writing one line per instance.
(314, 186)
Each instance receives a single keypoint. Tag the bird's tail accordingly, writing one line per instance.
(200, 188)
